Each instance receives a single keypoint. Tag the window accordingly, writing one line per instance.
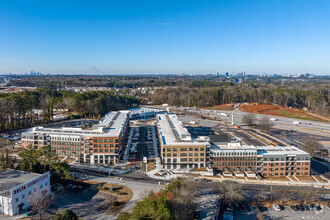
(41, 186)
(111, 140)
(183, 154)
(101, 150)
(168, 149)
(106, 145)
(168, 154)
(23, 196)
(196, 159)
(46, 184)
(191, 149)
(95, 150)
(175, 154)
(196, 154)
(202, 159)
(174, 149)
(101, 140)
(95, 140)
(101, 145)
(190, 154)
(183, 149)
(202, 154)
(16, 199)
(106, 140)
(183, 159)
(190, 159)
(30, 192)
(106, 150)
(202, 149)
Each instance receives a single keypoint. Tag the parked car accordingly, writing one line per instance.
(305, 207)
(262, 208)
(294, 208)
(68, 187)
(277, 207)
(310, 207)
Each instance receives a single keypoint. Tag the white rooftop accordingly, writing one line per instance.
(276, 150)
(172, 132)
(111, 125)
(232, 146)
(9, 179)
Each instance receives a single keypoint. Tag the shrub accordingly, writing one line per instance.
(116, 203)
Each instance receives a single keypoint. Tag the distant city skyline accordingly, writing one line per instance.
(165, 37)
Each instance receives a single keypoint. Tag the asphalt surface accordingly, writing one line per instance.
(312, 127)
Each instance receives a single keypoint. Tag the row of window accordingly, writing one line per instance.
(67, 143)
(66, 148)
(284, 158)
(235, 164)
(236, 169)
(66, 139)
(234, 153)
(282, 174)
(282, 168)
(105, 140)
(184, 149)
(105, 145)
(105, 150)
(288, 163)
(234, 158)
(184, 160)
(29, 193)
(184, 154)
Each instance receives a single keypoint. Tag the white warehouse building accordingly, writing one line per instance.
(17, 189)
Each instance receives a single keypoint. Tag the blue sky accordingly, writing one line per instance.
(165, 36)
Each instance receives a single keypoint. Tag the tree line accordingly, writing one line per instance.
(18, 110)
(315, 98)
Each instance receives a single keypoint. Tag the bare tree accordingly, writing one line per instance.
(248, 119)
(259, 196)
(6, 161)
(281, 194)
(311, 146)
(265, 124)
(230, 192)
(308, 194)
(184, 201)
(40, 202)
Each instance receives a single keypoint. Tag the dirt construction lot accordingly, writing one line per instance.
(280, 111)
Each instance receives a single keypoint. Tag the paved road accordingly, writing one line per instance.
(282, 122)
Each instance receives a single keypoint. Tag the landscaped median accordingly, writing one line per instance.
(122, 193)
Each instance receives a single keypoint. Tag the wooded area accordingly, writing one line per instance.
(17, 109)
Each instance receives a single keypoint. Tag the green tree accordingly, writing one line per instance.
(66, 215)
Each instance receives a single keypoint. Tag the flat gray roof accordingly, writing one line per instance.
(9, 179)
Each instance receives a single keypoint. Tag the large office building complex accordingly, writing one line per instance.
(102, 144)
(179, 149)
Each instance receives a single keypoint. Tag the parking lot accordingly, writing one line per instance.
(87, 203)
(287, 213)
